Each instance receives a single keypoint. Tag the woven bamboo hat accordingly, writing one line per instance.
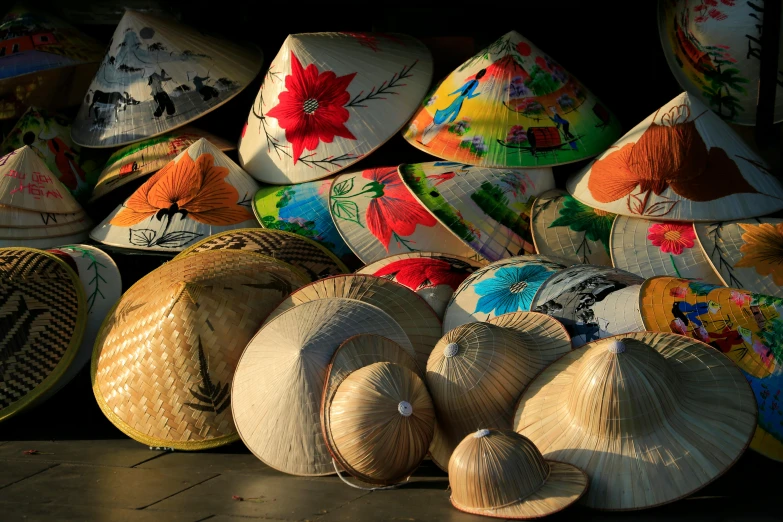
(488, 209)
(625, 408)
(432, 275)
(499, 288)
(565, 228)
(184, 326)
(381, 421)
(155, 65)
(294, 249)
(199, 193)
(44, 312)
(658, 248)
(419, 322)
(280, 379)
(682, 163)
(499, 473)
(330, 99)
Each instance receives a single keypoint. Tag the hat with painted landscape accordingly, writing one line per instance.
(159, 75)
(488, 209)
(500, 473)
(564, 227)
(682, 163)
(26, 183)
(511, 105)
(330, 99)
(199, 193)
(190, 319)
(44, 312)
(280, 377)
(624, 408)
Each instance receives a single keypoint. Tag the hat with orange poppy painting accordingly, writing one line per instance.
(330, 99)
(199, 193)
(682, 163)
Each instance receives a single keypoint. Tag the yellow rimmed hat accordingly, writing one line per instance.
(625, 409)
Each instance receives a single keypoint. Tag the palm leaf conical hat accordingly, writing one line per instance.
(26, 183)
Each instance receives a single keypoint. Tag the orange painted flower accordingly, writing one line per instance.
(763, 250)
(197, 190)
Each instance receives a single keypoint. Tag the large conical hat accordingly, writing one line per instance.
(199, 193)
(80, 226)
(146, 157)
(330, 99)
(280, 380)
(682, 163)
(11, 217)
(158, 75)
(625, 408)
(716, 48)
(166, 354)
(26, 183)
(488, 209)
(44, 311)
(511, 105)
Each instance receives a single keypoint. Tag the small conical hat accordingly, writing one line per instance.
(80, 226)
(563, 227)
(27, 183)
(381, 423)
(499, 473)
(302, 209)
(171, 344)
(504, 286)
(199, 193)
(682, 163)
(11, 217)
(377, 216)
(488, 209)
(280, 379)
(299, 251)
(419, 322)
(625, 409)
(44, 311)
(511, 105)
(158, 75)
(746, 254)
(146, 157)
(330, 99)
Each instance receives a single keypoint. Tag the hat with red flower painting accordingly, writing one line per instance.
(330, 99)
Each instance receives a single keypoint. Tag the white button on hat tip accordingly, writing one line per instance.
(481, 433)
(451, 350)
(405, 408)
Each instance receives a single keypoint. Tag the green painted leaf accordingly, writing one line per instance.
(346, 210)
(342, 188)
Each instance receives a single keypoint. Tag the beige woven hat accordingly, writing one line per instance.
(380, 424)
(499, 473)
(280, 379)
(166, 354)
(17, 218)
(651, 417)
(419, 322)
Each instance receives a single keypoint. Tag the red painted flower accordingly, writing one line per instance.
(679, 292)
(423, 272)
(311, 110)
(673, 238)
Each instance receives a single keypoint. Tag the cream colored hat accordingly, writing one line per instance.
(26, 183)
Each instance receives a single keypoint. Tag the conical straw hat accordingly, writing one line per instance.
(377, 216)
(280, 380)
(381, 423)
(26, 183)
(626, 408)
(565, 228)
(488, 209)
(701, 37)
(44, 312)
(199, 193)
(11, 217)
(45, 242)
(302, 209)
(146, 157)
(658, 248)
(746, 254)
(682, 163)
(504, 286)
(499, 473)
(299, 251)
(511, 105)
(81, 226)
(158, 75)
(330, 99)
(184, 326)
(419, 322)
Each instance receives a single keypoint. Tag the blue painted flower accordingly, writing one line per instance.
(511, 290)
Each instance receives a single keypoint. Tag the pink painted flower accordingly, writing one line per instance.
(739, 298)
(672, 238)
(678, 292)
